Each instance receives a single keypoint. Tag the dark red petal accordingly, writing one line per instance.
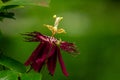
(41, 59)
(51, 63)
(35, 53)
(69, 47)
(41, 37)
(37, 66)
(52, 50)
(45, 51)
(62, 63)
(35, 37)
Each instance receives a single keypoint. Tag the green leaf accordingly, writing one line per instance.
(8, 7)
(12, 75)
(28, 2)
(5, 1)
(6, 15)
(8, 4)
(12, 64)
(8, 75)
(31, 76)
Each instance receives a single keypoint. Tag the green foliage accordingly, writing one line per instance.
(6, 15)
(27, 2)
(1, 2)
(13, 75)
(31, 76)
(5, 1)
(8, 7)
(5, 5)
(8, 75)
(15, 70)
(12, 64)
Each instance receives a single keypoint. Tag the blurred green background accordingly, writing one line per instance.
(94, 26)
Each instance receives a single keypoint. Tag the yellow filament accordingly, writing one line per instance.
(54, 28)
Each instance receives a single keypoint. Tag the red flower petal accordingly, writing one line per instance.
(62, 63)
(52, 50)
(37, 66)
(35, 53)
(35, 37)
(69, 47)
(51, 63)
(42, 57)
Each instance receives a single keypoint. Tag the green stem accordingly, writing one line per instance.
(29, 70)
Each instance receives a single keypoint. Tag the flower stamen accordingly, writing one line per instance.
(54, 29)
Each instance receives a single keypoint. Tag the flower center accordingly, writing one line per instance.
(54, 29)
